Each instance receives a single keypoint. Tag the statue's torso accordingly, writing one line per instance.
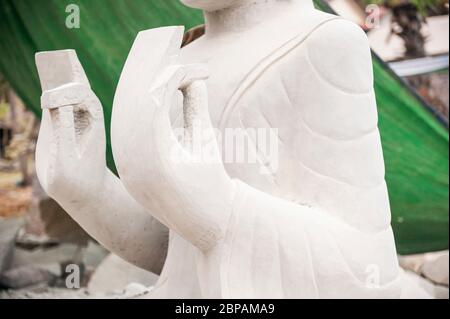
(324, 159)
(329, 150)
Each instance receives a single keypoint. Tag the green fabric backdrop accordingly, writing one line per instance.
(415, 143)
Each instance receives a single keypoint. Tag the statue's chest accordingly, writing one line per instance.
(225, 73)
(233, 81)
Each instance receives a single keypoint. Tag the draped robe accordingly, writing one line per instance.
(319, 225)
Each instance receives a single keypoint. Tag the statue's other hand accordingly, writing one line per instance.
(193, 157)
(187, 192)
(70, 154)
(179, 178)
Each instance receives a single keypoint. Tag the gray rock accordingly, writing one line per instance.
(23, 277)
(44, 292)
(8, 232)
(59, 225)
(47, 222)
(418, 287)
(433, 266)
(94, 254)
(43, 256)
(436, 269)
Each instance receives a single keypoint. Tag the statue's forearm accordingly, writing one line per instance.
(121, 225)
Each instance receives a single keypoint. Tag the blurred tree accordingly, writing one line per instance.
(4, 88)
(4, 111)
(408, 19)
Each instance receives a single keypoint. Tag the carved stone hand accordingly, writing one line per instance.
(72, 141)
(71, 165)
(174, 178)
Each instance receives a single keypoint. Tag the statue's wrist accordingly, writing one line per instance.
(92, 196)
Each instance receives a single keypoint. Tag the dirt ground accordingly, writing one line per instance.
(14, 199)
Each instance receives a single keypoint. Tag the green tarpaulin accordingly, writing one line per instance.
(415, 143)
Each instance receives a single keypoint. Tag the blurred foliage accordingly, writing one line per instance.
(408, 17)
(3, 97)
(3, 87)
(3, 109)
(422, 6)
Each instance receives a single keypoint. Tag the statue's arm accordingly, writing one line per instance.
(329, 82)
(340, 66)
(71, 166)
(120, 224)
(331, 107)
(337, 123)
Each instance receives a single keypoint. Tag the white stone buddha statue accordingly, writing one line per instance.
(311, 222)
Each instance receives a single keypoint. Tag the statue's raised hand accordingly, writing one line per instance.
(70, 154)
(182, 183)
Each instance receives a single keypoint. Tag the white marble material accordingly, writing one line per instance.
(317, 225)
(71, 166)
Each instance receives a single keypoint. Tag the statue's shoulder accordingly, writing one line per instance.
(333, 27)
(339, 50)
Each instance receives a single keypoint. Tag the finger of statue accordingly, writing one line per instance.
(88, 113)
(195, 108)
(63, 125)
(194, 91)
(199, 132)
(176, 77)
(163, 95)
(163, 138)
(94, 107)
(89, 125)
(188, 79)
(193, 73)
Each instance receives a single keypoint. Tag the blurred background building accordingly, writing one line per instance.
(413, 37)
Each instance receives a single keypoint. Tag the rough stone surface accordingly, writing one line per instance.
(44, 292)
(8, 232)
(415, 281)
(436, 268)
(41, 256)
(432, 266)
(59, 225)
(23, 277)
(91, 256)
(94, 254)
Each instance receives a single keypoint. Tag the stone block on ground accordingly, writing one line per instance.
(47, 222)
(59, 225)
(9, 229)
(27, 276)
(417, 287)
(436, 268)
(432, 266)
